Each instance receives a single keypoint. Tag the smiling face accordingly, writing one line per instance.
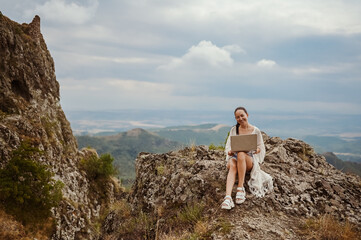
(241, 117)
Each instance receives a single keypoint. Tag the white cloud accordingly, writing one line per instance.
(203, 54)
(122, 60)
(334, 17)
(234, 48)
(322, 69)
(288, 17)
(266, 63)
(69, 63)
(76, 85)
(350, 135)
(139, 88)
(63, 12)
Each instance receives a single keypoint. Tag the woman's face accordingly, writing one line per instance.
(241, 116)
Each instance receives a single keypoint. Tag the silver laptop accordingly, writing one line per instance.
(244, 143)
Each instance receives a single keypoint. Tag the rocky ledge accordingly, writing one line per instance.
(305, 186)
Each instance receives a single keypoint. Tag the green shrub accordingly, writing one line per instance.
(221, 146)
(98, 168)
(214, 147)
(27, 189)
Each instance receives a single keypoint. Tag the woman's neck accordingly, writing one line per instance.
(244, 126)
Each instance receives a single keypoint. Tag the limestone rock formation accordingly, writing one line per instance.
(30, 110)
(305, 186)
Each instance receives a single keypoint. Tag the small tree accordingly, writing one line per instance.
(99, 168)
(27, 189)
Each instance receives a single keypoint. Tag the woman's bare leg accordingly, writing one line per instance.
(231, 177)
(244, 163)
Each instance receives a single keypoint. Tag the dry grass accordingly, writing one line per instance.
(174, 236)
(192, 145)
(223, 226)
(306, 152)
(191, 223)
(182, 223)
(140, 226)
(10, 229)
(202, 230)
(328, 228)
(122, 207)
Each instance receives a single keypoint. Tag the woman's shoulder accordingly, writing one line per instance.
(256, 129)
(232, 131)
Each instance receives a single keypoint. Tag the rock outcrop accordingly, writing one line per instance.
(30, 111)
(305, 186)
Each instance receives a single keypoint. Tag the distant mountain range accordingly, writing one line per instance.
(347, 149)
(204, 134)
(125, 146)
(344, 166)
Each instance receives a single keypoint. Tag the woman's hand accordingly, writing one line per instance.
(258, 150)
(230, 153)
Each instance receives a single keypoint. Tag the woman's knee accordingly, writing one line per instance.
(241, 156)
(232, 164)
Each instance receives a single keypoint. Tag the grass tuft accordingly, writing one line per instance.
(139, 226)
(191, 214)
(192, 145)
(223, 226)
(328, 228)
(160, 170)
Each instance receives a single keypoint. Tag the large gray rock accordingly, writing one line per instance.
(176, 178)
(305, 186)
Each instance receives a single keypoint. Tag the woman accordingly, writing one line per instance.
(239, 162)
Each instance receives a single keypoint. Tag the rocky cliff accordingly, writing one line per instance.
(30, 111)
(181, 193)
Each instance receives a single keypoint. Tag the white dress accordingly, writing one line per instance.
(260, 182)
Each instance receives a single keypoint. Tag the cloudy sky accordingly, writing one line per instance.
(301, 56)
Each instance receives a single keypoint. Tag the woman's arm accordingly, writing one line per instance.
(227, 148)
(260, 143)
(260, 147)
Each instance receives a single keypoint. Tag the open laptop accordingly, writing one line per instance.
(244, 143)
